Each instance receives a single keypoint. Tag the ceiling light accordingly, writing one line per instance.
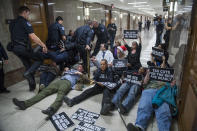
(137, 3)
(59, 11)
(79, 7)
(140, 6)
(51, 3)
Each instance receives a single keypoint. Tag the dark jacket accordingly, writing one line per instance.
(159, 27)
(3, 54)
(106, 76)
(83, 35)
(112, 28)
(101, 33)
(114, 52)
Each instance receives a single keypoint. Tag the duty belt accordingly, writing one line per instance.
(19, 43)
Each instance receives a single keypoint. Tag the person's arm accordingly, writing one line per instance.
(174, 27)
(89, 38)
(167, 27)
(62, 32)
(126, 45)
(163, 65)
(111, 58)
(147, 78)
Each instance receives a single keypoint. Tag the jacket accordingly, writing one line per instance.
(3, 54)
(101, 33)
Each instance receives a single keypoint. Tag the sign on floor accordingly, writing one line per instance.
(82, 126)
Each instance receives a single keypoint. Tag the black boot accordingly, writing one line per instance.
(20, 104)
(4, 90)
(131, 127)
(31, 80)
(68, 101)
(105, 109)
(49, 111)
(122, 108)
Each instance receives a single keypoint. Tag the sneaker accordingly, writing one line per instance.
(105, 109)
(68, 101)
(49, 111)
(131, 127)
(20, 104)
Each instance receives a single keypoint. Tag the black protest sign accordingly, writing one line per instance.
(61, 121)
(85, 116)
(88, 127)
(110, 85)
(120, 65)
(161, 74)
(130, 34)
(157, 53)
(133, 78)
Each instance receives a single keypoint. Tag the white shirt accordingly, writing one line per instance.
(108, 56)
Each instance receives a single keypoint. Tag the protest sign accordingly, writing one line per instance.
(133, 78)
(120, 65)
(88, 127)
(85, 116)
(61, 121)
(157, 53)
(130, 34)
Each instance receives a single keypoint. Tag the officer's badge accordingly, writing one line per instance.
(28, 24)
(62, 28)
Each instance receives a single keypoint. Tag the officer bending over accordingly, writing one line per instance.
(21, 33)
(71, 79)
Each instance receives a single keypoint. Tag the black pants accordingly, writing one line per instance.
(107, 96)
(158, 38)
(83, 54)
(2, 79)
(26, 56)
(97, 48)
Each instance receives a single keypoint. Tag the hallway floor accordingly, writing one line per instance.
(12, 119)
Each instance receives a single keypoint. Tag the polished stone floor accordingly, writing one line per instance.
(12, 119)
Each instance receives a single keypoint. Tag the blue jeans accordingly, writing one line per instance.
(132, 89)
(145, 111)
(46, 78)
(58, 56)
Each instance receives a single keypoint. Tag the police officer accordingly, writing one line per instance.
(83, 36)
(21, 33)
(55, 34)
(112, 28)
(3, 58)
(102, 36)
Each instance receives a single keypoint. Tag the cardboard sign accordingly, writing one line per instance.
(120, 65)
(85, 116)
(61, 121)
(161, 74)
(88, 127)
(157, 53)
(133, 78)
(130, 34)
(110, 85)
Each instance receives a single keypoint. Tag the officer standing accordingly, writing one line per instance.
(56, 33)
(112, 28)
(21, 33)
(3, 58)
(83, 36)
(102, 36)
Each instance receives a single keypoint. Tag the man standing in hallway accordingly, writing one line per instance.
(102, 36)
(159, 30)
(112, 28)
(140, 25)
(83, 36)
(21, 33)
(55, 34)
(148, 24)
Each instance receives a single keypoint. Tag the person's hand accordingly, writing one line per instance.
(62, 49)
(44, 49)
(163, 58)
(66, 69)
(6, 61)
(87, 47)
(78, 73)
(128, 64)
(100, 84)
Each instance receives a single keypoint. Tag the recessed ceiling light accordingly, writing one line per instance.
(137, 3)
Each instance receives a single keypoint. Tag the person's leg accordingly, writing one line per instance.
(52, 88)
(43, 78)
(97, 48)
(49, 79)
(163, 116)
(64, 88)
(1, 79)
(145, 108)
(130, 99)
(120, 93)
(58, 57)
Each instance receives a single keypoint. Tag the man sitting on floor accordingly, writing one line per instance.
(71, 79)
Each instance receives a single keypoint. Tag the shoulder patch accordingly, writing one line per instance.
(28, 24)
(62, 28)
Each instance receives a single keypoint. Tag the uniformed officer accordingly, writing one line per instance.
(83, 36)
(56, 33)
(112, 28)
(21, 30)
(102, 36)
(3, 59)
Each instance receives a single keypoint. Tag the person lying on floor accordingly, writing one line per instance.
(104, 53)
(147, 106)
(71, 79)
(103, 74)
(132, 90)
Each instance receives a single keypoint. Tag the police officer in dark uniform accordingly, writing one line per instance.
(83, 36)
(21, 33)
(102, 36)
(56, 33)
(112, 28)
(3, 59)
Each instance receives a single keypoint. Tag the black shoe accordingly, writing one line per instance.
(4, 91)
(32, 87)
(122, 108)
(131, 127)
(68, 101)
(49, 111)
(105, 109)
(20, 104)
(29, 77)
